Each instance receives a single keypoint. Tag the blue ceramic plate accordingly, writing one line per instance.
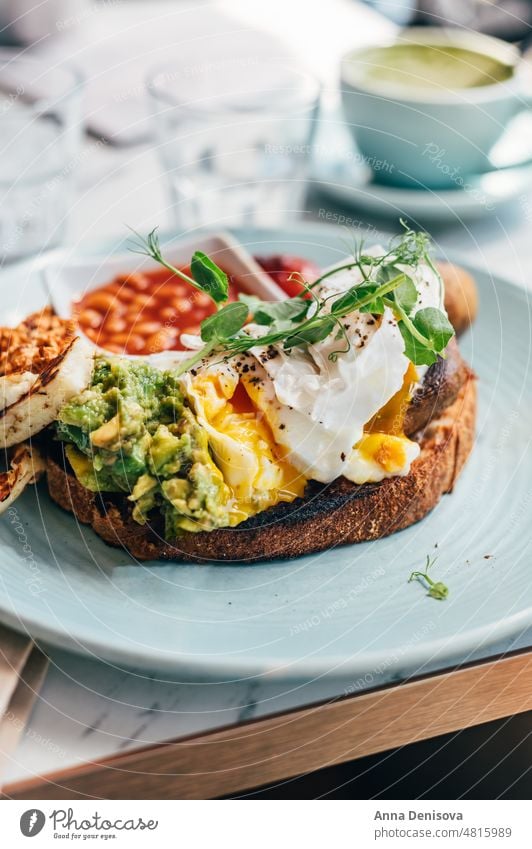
(349, 610)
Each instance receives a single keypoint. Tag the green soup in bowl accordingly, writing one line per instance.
(429, 107)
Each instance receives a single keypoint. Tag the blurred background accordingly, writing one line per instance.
(190, 113)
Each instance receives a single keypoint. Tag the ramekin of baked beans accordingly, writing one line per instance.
(144, 313)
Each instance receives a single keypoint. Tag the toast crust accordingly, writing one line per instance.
(461, 295)
(338, 514)
(438, 390)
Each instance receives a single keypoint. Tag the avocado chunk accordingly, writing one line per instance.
(132, 431)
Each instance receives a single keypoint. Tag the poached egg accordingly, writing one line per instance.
(277, 419)
(344, 416)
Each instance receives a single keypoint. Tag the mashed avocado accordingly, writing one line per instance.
(131, 431)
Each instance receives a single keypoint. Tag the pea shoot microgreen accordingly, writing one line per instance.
(311, 316)
(206, 276)
(225, 323)
(436, 589)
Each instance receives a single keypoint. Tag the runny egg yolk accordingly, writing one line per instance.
(391, 417)
(242, 444)
(384, 441)
(386, 450)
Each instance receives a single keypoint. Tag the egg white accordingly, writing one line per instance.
(317, 406)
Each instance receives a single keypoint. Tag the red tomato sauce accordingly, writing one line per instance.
(145, 313)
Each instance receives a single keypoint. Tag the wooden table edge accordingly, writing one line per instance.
(236, 758)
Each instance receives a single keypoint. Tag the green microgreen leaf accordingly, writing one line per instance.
(209, 277)
(206, 276)
(386, 272)
(225, 323)
(435, 326)
(310, 335)
(349, 300)
(436, 589)
(273, 312)
(416, 351)
(406, 295)
(376, 307)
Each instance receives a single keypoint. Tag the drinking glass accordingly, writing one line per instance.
(234, 138)
(40, 127)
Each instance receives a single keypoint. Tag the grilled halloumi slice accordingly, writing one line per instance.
(26, 466)
(42, 365)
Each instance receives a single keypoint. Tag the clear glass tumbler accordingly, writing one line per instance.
(40, 128)
(234, 139)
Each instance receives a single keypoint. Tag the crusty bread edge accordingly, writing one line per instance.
(343, 514)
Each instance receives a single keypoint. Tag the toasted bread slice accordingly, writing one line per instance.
(461, 296)
(326, 517)
(438, 390)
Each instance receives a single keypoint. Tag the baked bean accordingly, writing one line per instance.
(133, 314)
(122, 293)
(160, 341)
(141, 299)
(196, 315)
(90, 318)
(203, 300)
(115, 324)
(113, 347)
(119, 338)
(100, 301)
(138, 282)
(168, 313)
(147, 328)
(175, 290)
(182, 306)
(135, 344)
